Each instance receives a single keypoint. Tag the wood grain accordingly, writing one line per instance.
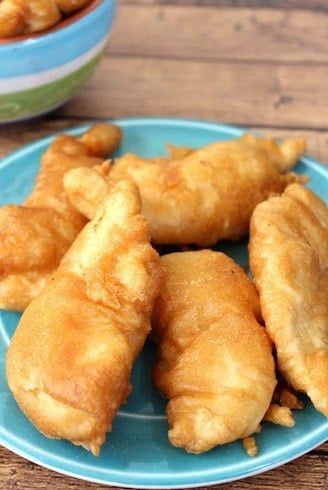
(221, 34)
(319, 5)
(13, 136)
(248, 93)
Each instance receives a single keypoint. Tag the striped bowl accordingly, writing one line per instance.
(42, 72)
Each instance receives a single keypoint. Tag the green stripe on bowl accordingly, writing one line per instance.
(41, 99)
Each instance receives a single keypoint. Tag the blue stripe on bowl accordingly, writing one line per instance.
(59, 47)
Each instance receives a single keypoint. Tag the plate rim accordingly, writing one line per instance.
(149, 120)
(116, 484)
(314, 439)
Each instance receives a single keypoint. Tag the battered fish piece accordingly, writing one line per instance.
(214, 359)
(206, 195)
(70, 360)
(289, 260)
(35, 236)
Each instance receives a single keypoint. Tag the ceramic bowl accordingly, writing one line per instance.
(41, 72)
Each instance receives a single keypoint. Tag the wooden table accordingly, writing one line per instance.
(256, 63)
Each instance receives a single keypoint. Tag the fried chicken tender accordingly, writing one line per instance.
(289, 260)
(70, 360)
(214, 360)
(35, 236)
(28, 16)
(206, 195)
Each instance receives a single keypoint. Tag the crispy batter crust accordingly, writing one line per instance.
(35, 235)
(28, 16)
(70, 359)
(205, 195)
(214, 360)
(289, 260)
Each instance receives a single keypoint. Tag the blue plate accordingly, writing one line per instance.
(137, 452)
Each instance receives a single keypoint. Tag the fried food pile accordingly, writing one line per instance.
(35, 236)
(93, 289)
(69, 362)
(204, 196)
(28, 16)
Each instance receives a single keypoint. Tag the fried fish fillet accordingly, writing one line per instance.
(70, 359)
(289, 260)
(204, 196)
(214, 360)
(35, 236)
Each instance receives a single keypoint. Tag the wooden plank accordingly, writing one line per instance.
(12, 137)
(276, 4)
(244, 93)
(306, 473)
(221, 34)
(323, 448)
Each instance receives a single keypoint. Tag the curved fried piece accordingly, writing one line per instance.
(87, 188)
(70, 359)
(205, 195)
(289, 260)
(35, 236)
(214, 360)
(102, 139)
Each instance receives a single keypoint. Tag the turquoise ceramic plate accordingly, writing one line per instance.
(137, 452)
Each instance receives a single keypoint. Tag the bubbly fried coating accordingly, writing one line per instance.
(40, 14)
(12, 18)
(250, 446)
(86, 188)
(208, 194)
(28, 16)
(177, 152)
(69, 6)
(35, 235)
(103, 139)
(214, 360)
(70, 359)
(279, 415)
(289, 399)
(289, 260)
